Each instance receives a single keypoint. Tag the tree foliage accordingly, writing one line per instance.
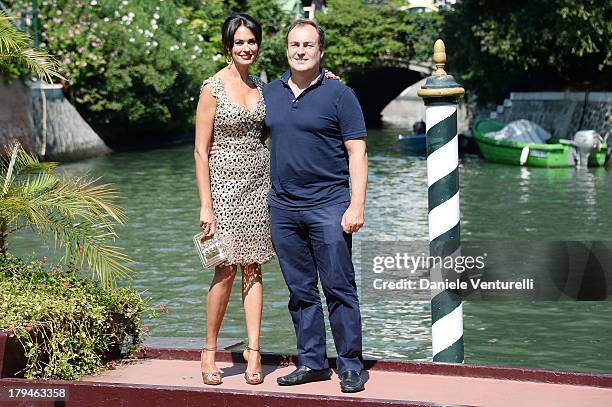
(135, 66)
(361, 36)
(500, 47)
(273, 56)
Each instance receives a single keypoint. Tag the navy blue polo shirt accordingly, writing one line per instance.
(308, 160)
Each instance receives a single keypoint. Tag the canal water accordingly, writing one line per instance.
(498, 203)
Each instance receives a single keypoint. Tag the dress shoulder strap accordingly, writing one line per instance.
(257, 81)
(215, 84)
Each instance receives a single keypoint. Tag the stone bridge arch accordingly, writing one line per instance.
(378, 86)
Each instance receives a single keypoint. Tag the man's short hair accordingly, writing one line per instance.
(312, 23)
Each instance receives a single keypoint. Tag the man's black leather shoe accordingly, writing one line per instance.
(351, 381)
(304, 374)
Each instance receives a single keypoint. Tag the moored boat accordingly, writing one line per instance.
(548, 155)
(414, 143)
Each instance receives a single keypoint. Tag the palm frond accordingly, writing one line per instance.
(83, 198)
(9, 170)
(39, 62)
(39, 185)
(13, 208)
(24, 162)
(106, 262)
(11, 39)
(79, 213)
(15, 48)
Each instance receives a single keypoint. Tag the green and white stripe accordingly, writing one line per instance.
(441, 94)
(444, 222)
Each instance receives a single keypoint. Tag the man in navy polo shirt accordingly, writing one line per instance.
(317, 141)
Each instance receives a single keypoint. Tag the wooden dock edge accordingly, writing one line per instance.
(113, 394)
(107, 394)
(406, 366)
(9, 357)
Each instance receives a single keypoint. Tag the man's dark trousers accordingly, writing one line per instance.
(310, 241)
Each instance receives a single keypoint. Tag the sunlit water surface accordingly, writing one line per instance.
(497, 203)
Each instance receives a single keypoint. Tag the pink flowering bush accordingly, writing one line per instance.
(135, 66)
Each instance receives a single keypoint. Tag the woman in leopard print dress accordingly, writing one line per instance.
(233, 185)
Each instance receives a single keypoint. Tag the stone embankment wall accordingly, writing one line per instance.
(408, 108)
(561, 113)
(65, 135)
(15, 119)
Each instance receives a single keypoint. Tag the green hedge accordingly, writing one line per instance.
(66, 323)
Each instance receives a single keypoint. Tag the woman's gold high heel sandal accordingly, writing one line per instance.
(211, 378)
(252, 377)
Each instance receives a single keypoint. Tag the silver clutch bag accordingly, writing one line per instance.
(212, 251)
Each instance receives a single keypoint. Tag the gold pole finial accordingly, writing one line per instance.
(440, 84)
(439, 58)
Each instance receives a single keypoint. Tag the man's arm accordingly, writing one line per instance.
(353, 217)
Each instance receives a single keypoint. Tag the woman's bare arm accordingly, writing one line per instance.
(205, 117)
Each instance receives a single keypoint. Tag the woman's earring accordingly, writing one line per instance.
(228, 60)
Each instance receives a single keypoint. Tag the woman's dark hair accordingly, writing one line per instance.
(232, 23)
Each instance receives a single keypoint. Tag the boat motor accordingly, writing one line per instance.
(419, 127)
(586, 141)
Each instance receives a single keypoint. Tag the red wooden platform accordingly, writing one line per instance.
(171, 377)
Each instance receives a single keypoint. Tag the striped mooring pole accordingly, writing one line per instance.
(441, 94)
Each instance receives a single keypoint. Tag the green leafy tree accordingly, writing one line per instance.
(524, 45)
(16, 52)
(134, 66)
(79, 213)
(362, 36)
(206, 19)
(273, 56)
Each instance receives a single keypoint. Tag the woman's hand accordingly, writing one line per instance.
(207, 222)
(330, 75)
(213, 148)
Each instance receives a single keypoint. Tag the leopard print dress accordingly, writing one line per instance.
(240, 177)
